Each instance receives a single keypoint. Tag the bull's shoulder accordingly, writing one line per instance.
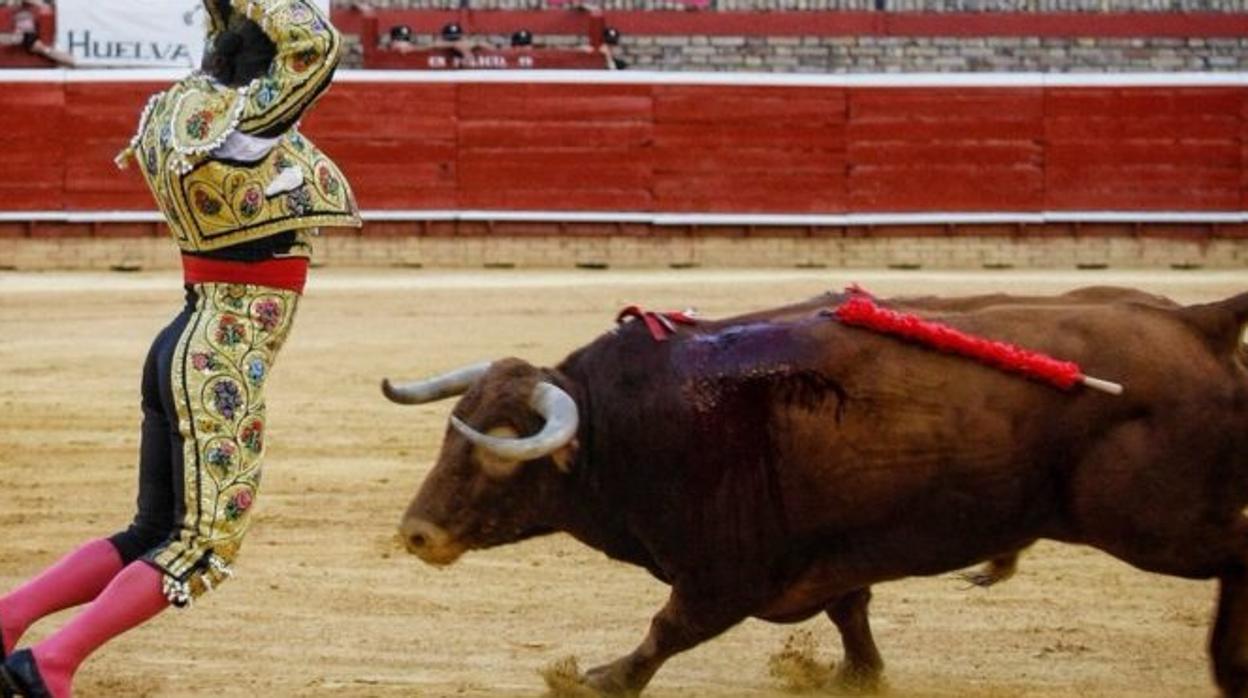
(785, 313)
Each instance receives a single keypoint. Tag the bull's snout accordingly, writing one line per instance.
(429, 541)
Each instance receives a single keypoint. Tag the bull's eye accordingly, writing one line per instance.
(492, 464)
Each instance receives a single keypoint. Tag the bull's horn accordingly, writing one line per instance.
(440, 387)
(548, 400)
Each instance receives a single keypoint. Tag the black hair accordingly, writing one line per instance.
(452, 32)
(240, 53)
(522, 37)
(611, 36)
(400, 32)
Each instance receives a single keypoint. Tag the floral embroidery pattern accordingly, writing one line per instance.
(251, 203)
(227, 398)
(252, 436)
(256, 371)
(220, 454)
(208, 426)
(329, 183)
(226, 361)
(299, 201)
(305, 59)
(268, 313)
(197, 126)
(230, 330)
(149, 160)
(233, 295)
(238, 504)
(265, 93)
(207, 205)
(203, 361)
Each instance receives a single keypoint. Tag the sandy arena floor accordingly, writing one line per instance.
(325, 603)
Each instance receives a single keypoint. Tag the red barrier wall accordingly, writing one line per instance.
(661, 147)
(32, 138)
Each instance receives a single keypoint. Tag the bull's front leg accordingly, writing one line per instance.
(1228, 643)
(681, 624)
(861, 668)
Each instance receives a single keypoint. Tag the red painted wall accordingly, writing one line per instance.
(1144, 148)
(692, 148)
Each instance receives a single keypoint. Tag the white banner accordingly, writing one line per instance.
(134, 33)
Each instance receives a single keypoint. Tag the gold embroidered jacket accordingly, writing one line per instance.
(209, 202)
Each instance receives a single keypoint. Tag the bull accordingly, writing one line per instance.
(776, 465)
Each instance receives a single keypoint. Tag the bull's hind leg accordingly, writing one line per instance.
(861, 667)
(681, 624)
(1228, 643)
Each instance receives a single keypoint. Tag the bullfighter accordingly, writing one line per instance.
(241, 191)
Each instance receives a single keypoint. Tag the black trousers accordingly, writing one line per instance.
(161, 504)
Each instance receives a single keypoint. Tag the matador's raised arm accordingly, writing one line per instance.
(308, 50)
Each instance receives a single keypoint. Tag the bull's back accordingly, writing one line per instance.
(852, 440)
(935, 447)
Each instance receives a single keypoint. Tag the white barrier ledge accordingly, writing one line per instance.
(649, 77)
(704, 219)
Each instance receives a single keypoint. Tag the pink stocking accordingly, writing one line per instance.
(75, 579)
(134, 596)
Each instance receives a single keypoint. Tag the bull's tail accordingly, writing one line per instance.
(1224, 322)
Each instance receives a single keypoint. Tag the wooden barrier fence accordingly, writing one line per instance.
(625, 146)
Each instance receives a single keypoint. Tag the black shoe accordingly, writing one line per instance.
(7, 687)
(20, 677)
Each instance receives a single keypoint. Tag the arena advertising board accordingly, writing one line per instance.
(134, 33)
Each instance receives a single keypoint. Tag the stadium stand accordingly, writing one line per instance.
(21, 51)
(864, 41)
(1029, 136)
(798, 36)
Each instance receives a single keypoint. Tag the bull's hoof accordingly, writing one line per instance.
(994, 571)
(979, 579)
(565, 680)
(857, 680)
(609, 680)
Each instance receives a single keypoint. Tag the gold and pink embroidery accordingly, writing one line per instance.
(221, 365)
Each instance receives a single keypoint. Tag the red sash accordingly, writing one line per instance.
(289, 273)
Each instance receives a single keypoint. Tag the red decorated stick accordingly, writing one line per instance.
(861, 311)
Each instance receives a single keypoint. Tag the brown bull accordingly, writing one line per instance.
(778, 464)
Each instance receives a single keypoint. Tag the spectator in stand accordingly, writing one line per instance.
(608, 48)
(401, 39)
(522, 39)
(26, 32)
(452, 37)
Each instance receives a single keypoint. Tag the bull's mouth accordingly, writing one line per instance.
(440, 556)
(433, 544)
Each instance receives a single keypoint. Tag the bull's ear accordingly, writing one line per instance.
(565, 455)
